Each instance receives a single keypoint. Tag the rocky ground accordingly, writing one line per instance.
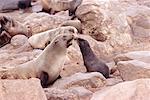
(118, 32)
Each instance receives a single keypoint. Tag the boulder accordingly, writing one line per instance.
(133, 69)
(39, 22)
(21, 90)
(88, 80)
(75, 93)
(91, 17)
(132, 90)
(134, 55)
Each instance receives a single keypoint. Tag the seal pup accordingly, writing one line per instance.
(54, 6)
(13, 27)
(23, 4)
(10, 5)
(91, 62)
(46, 66)
(40, 40)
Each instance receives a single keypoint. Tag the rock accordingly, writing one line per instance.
(73, 63)
(58, 94)
(76, 93)
(39, 22)
(19, 40)
(134, 55)
(88, 80)
(133, 69)
(113, 81)
(21, 90)
(139, 20)
(91, 17)
(132, 90)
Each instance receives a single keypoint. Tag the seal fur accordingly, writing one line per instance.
(53, 6)
(13, 27)
(46, 66)
(91, 62)
(40, 40)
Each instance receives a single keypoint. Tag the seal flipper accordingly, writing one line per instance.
(44, 79)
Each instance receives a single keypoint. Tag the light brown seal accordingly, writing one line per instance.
(40, 40)
(13, 27)
(91, 62)
(46, 66)
(53, 6)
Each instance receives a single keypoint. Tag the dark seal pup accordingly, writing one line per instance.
(23, 4)
(91, 62)
(10, 5)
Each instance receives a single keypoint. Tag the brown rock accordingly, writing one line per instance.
(91, 17)
(74, 62)
(19, 40)
(21, 90)
(132, 90)
(88, 80)
(135, 55)
(39, 22)
(76, 93)
(133, 69)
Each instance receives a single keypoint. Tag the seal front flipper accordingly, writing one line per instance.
(44, 79)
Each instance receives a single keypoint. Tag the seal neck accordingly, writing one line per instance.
(87, 52)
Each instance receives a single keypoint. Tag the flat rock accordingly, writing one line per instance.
(75, 93)
(21, 90)
(132, 90)
(88, 80)
(135, 55)
(133, 69)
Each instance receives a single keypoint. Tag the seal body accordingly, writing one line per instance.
(91, 62)
(53, 6)
(10, 5)
(13, 27)
(46, 66)
(23, 4)
(40, 40)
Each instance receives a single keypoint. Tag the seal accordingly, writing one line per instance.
(13, 27)
(91, 62)
(46, 66)
(73, 6)
(40, 40)
(75, 23)
(10, 5)
(23, 4)
(54, 6)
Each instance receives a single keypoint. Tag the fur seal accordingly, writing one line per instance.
(75, 23)
(40, 40)
(46, 66)
(91, 62)
(10, 5)
(53, 6)
(23, 4)
(13, 27)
